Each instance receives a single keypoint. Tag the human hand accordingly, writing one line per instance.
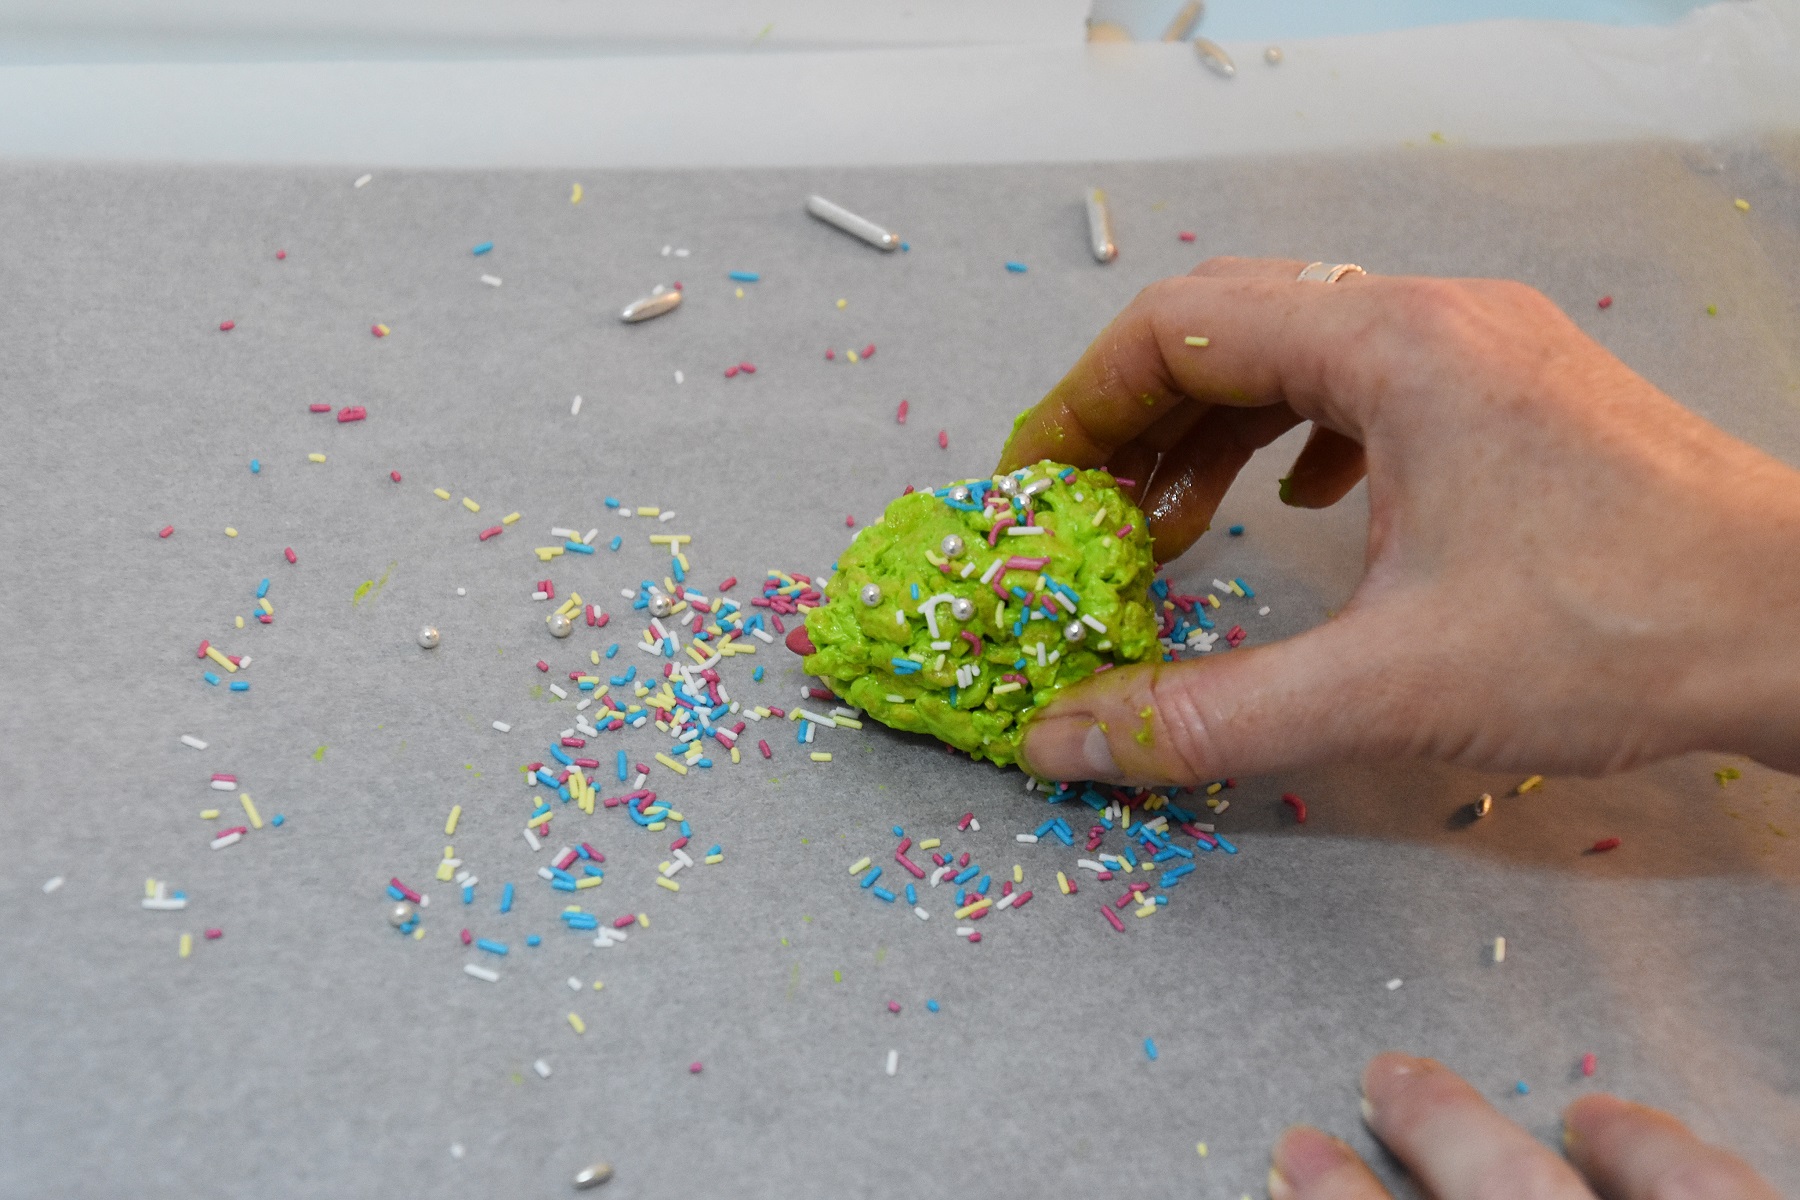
(1565, 570)
(1459, 1148)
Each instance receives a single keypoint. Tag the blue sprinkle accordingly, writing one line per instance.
(533, 940)
(506, 894)
(981, 889)
(746, 276)
(915, 591)
(210, 678)
(262, 589)
(871, 877)
(491, 946)
(612, 651)
(178, 895)
(883, 894)
(1523, 1088)
(904, 247)
(1236, 531)
(612, 502)
(1248, 594)
(240, 685)
(483, 248)
(899, 832)
(703, 762)
(685, 831)
(715, 850)
(278, 820)
(757, 675)
(578, 547)
(256, 466)
(468, 893)
(1150, 1048)
(395, 892)
(912, 894)
(932, 1005)
(969, 872)
(1017, 268)
(617, 542)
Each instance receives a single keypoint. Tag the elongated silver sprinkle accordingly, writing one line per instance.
(850, 223)
(654, 305)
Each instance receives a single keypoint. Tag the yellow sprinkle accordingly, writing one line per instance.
(1146, 910)
(509, 518)
(419, 934)
(566, 607)
(846, 721)
(740, 293)
(575, 198)
(1004, 688)
(821, 756)
(546, 553)
(1536, 781)
(645, 511)
(1200, 1148)
(962, 914)
(455, 816)
(240, 622)
(587, 881)
(860, 865)
(1062, 883)
(734, 754)
(266, 606)
(230, 532)
(187, 944)
(250, 810)
(670, 763)
(931, 843)
(444, 871)
(209, 814)
(149, 887)
(1197, 341)
(382, 331)
(714, 858)
(440, 493)
(471, 505)
(577, 1024)
(643, 920)
(315, 458)
(665, 882)
(1018, 873)
(851, 355)
(843, 304)
(1212, 789)
(598, 985)
(212, 652)
(1742, 204)
(538, 820)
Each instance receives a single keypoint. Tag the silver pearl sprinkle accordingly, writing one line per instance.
(401, 913)
(1074, 631)
(952, 546)
(871, 594)
(960, 493)
(561, 626)
(1009, 486)
(1272, 56)
(1483, 806)
(962, 608)
(428, 636)
(661, 605)
(593, 1177)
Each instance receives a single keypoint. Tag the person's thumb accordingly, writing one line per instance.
(1318, 697)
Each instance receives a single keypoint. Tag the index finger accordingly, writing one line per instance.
(1265, 341)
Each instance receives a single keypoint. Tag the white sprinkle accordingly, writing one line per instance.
(188, 739)
(964, 930)
(1393, 985)
(542, 1068)
(593, 533)
(758, 634)
(1024, 530)
(921, 913)
(603, 941)
(481, 973)
(222, 785)
(1088, 620)
(531, 839)
(52, 883)
(666, 249)
(682, 252)
(575, 407)
(230, 839)
(987, 576)
(574, 984)
(558, 692)
(678, 378)
(1263, 611)
(502, 726)
(163, 903)
(424, 900)
(1089, 864)
(893, 1062)
(456, 1150)
(491, 280)
(665, 516)
(363, 180)
(1028, 838)
(1499, 949)
(974, 826)
(559, 531)
(462, 591)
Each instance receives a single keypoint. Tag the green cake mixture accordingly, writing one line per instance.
(1009, 634)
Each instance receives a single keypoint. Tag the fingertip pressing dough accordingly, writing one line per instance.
(944, 620)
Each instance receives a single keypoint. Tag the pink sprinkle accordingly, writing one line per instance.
(1606, 302)
(1185, 236)
(893, 1006)
(353, 412)
(379, 330)
(227, 326)
(1589, 1064)
(213, 935)
(627, 919)
(467, 937)
(976, 936)
(730, 371)
(764, 747)
(747, 368)
(394, 475)
(318, 408)
(694, 1068)
(1025, 897)
(280, 254)
(1124, 482)
(830, 354)
(165, 531)
(290, 555)
(869, 350)
(404, 890)
(943, 440)
(1015, 563)
(900, 413)
(972, 639)
(495, 532)
(963, 825)
(849, 522)
(224, 778)
(1112, 919)
(1124, 532)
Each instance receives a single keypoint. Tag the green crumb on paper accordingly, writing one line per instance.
(1726, 774)
(319, 754)
(362, 589)
(837, 977)
(1029, 629)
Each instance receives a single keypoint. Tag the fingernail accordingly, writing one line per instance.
(1279, 1187)
(1072, 747)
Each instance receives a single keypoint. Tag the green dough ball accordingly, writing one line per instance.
(883, 656)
